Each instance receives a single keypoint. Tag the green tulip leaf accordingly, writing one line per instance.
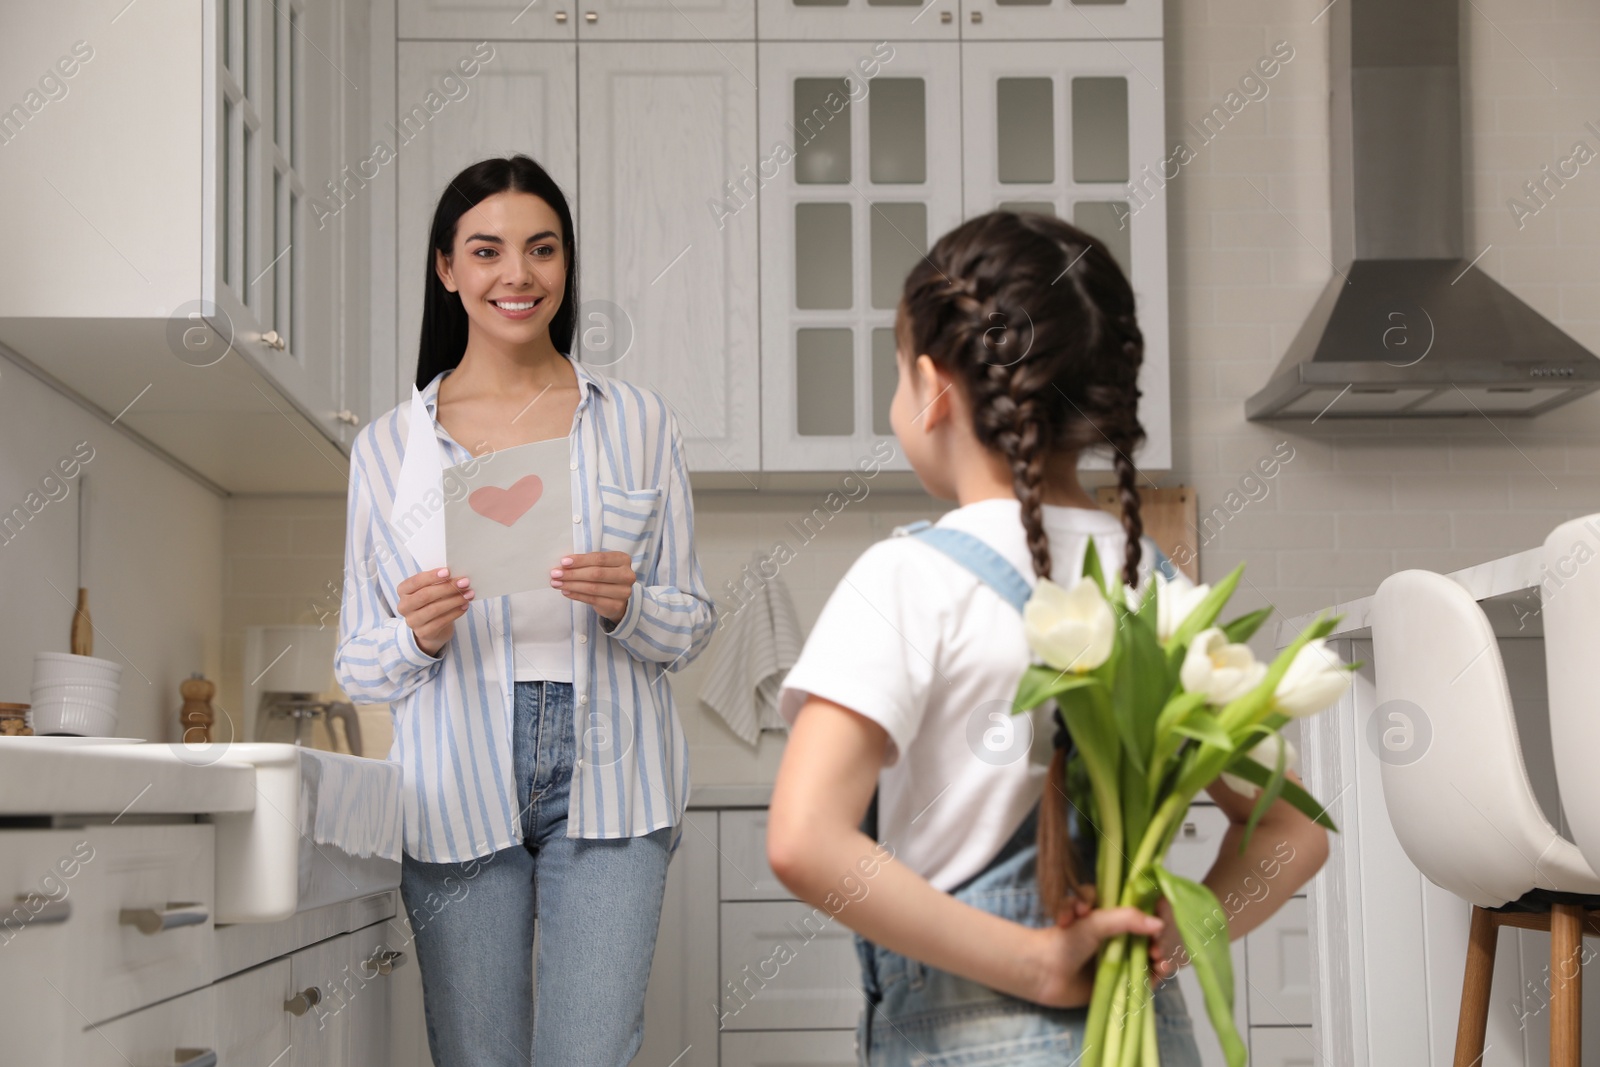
(1092, 568)
(1244, 627)
(1260, 774)
(1203, 925)
(1269, 794)
(1040, 684)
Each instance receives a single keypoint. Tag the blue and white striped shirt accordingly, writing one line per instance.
(453, 713)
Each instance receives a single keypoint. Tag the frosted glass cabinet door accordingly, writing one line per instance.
(1076, 129)
(523, 99)
(1059, 20)
(855, 188)
(669, 247)
(858, 20)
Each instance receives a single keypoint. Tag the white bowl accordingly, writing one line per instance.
(66, 667)
(94, 692)
(72, 717)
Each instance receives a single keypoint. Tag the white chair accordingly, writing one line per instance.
(1465, 812)
(1570, 611)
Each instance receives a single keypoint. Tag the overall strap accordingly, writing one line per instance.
(975, 554)
(1161, 563)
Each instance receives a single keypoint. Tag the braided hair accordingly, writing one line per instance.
(1035, 321)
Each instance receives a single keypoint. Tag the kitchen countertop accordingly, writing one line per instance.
(730, 796)
(41, 778)
(1507, 589)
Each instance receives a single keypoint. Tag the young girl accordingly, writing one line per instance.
(1017, 349)
(545, 767)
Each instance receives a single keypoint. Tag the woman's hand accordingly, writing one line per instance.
(1066, 951)
(602, 579)
(431, 602)
(1167, 953)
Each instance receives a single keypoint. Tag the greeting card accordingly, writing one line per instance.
(508, 519)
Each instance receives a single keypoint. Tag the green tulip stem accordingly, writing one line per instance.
(1138, 986)
(1098, 1040)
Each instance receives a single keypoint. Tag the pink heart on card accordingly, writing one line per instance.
(506, 506)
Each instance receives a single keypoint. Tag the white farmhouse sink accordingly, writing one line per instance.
(325, 828)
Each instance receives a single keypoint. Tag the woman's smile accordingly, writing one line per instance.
(522, 307)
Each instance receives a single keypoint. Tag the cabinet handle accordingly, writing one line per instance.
(977, 16)
(195, 1057)
(54, 911)
(273, 339)
(1189, 830)
(946, 17)
(348, 417)
(561, 16)
(303, 1001)
(590, 16)
(155, 920)
(382, 962)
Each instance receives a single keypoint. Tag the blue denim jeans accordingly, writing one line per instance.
(916, 1016)
(474, 922)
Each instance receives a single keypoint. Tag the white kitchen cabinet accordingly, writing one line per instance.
(522, 99)
(791, 1048)
(228, 300)
(1280, 968)
(668, 282)
(858, 20)
(1059, 20)
(252, 1027)
(867, 192)
(487, 20)
(1283, 1046)
(319, 1005)
(746, 875)
(787, 966)
(173, 1032)
(680, 1021)
(667, 20)
(1068, 128)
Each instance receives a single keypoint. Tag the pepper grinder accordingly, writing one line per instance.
(196, 715)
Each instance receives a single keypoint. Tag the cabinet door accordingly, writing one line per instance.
(374, 960)
(252, 1027)
(790, 1048)
(1284, 1046)
(857, 189)
(679, 1026)
(178, 1031)
(858, 20)
(279, 240)
(668, 249)
(493, 20)
(1046, 20)
(787, 966)
(1280, 968)
(667, 20)
(522, 99)
(319, 980)
(1075, 129)
(746, 875)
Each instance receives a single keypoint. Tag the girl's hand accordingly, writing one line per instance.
(1065, 953)
(431, 602)
(602, 579)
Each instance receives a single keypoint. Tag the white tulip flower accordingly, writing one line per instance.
(1070, 629)
(1266, 754)
(1222, 671)
(1315, 679)
(1175, 602)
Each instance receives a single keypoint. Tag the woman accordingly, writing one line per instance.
(557, 796)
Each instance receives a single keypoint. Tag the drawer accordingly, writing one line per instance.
(1279, 951)
(99, 882)
(252, 1027)
(790, 1048)
(178, 1031)
(1199, 838)
(742, 840)
(1284, 1046)
(787, 966)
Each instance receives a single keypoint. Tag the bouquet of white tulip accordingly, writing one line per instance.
(1159, 702)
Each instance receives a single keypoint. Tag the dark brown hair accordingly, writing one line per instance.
(1035, 321)
(444, 320)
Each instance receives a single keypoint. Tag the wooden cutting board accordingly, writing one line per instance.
(1170, 518)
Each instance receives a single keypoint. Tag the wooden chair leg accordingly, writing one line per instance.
(1566, 985)
(1474, 1020)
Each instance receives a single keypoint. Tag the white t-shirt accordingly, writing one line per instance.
(921, 645)
(541, 641)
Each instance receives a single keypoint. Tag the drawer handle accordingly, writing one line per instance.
(155, 920)
(195, 1057)
(54, 911)
(303, 1001)
(1189, 830)
(384, 961)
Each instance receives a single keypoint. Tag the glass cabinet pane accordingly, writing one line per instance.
(1025, 121)
(1038, 207)
(247, 202)
(294, 77)
(226, 166)
(894, 3)
(1100, 129)
(899, 239)
(1105, 219)
(825, 395)
(1023, 2)
(822, 156)
(1082, 3)
(897, 130)
(820, 3)
(822, 274)
(278, 274)
(280, 65)
(230, 52)
(885, 377)
(245, 44)
(293, 263)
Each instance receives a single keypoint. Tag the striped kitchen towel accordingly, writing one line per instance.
(755, 645)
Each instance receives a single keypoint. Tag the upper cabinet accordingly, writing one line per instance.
(189, 249)
(1059, 20)
(566, 20)
(858, 20)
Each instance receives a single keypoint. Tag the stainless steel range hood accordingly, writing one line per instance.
(1408, 326)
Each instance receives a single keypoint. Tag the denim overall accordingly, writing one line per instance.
(916, 1016)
